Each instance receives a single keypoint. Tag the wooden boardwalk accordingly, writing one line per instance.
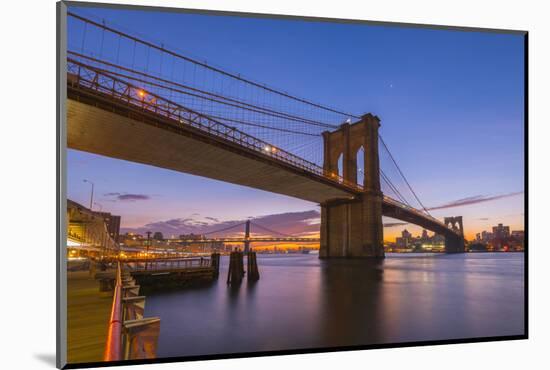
(88, 315)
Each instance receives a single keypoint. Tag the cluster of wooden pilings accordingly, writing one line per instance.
(236, 271)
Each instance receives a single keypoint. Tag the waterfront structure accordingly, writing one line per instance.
(88, 230)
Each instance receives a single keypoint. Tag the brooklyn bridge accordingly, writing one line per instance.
(135, 100)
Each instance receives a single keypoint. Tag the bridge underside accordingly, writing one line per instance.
(115, 131)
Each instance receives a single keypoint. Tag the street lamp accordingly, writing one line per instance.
(92, 194)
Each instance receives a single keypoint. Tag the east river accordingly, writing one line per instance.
(303, 302)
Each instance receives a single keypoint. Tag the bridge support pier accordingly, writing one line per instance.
(454, 244)
(353, 228)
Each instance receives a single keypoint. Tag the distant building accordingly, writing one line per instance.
(438, 239)
(518, 234)
(425, 236)
(214, 246)
(401, 242)
(501, 232)
(131, 239)
(191, 236)
(405, 240)
(486, 236)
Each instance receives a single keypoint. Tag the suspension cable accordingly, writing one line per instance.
(224, 229)
(272, 231)
(402, 175)
(246, 123)
(253, 108)
(394, 188)
(204, 65)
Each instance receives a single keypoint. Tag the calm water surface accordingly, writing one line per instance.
(302, 302)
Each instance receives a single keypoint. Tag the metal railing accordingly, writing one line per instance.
(129, 335)
(113, 345)
(82, 75)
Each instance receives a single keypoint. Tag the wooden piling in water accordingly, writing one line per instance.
(252, 267)
(236, 268)
(215, 263)
(241, 264)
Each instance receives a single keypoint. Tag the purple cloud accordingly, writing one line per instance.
(475, 200)
(126, 197)
(133, 197)
(292, 223)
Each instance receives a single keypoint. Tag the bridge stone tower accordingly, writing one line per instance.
(454, 243)
(353, 228)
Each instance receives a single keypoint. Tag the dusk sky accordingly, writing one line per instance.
(450, 104)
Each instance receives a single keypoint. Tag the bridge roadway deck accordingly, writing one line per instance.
(111, 129)
(88, 312)
(400, 213)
